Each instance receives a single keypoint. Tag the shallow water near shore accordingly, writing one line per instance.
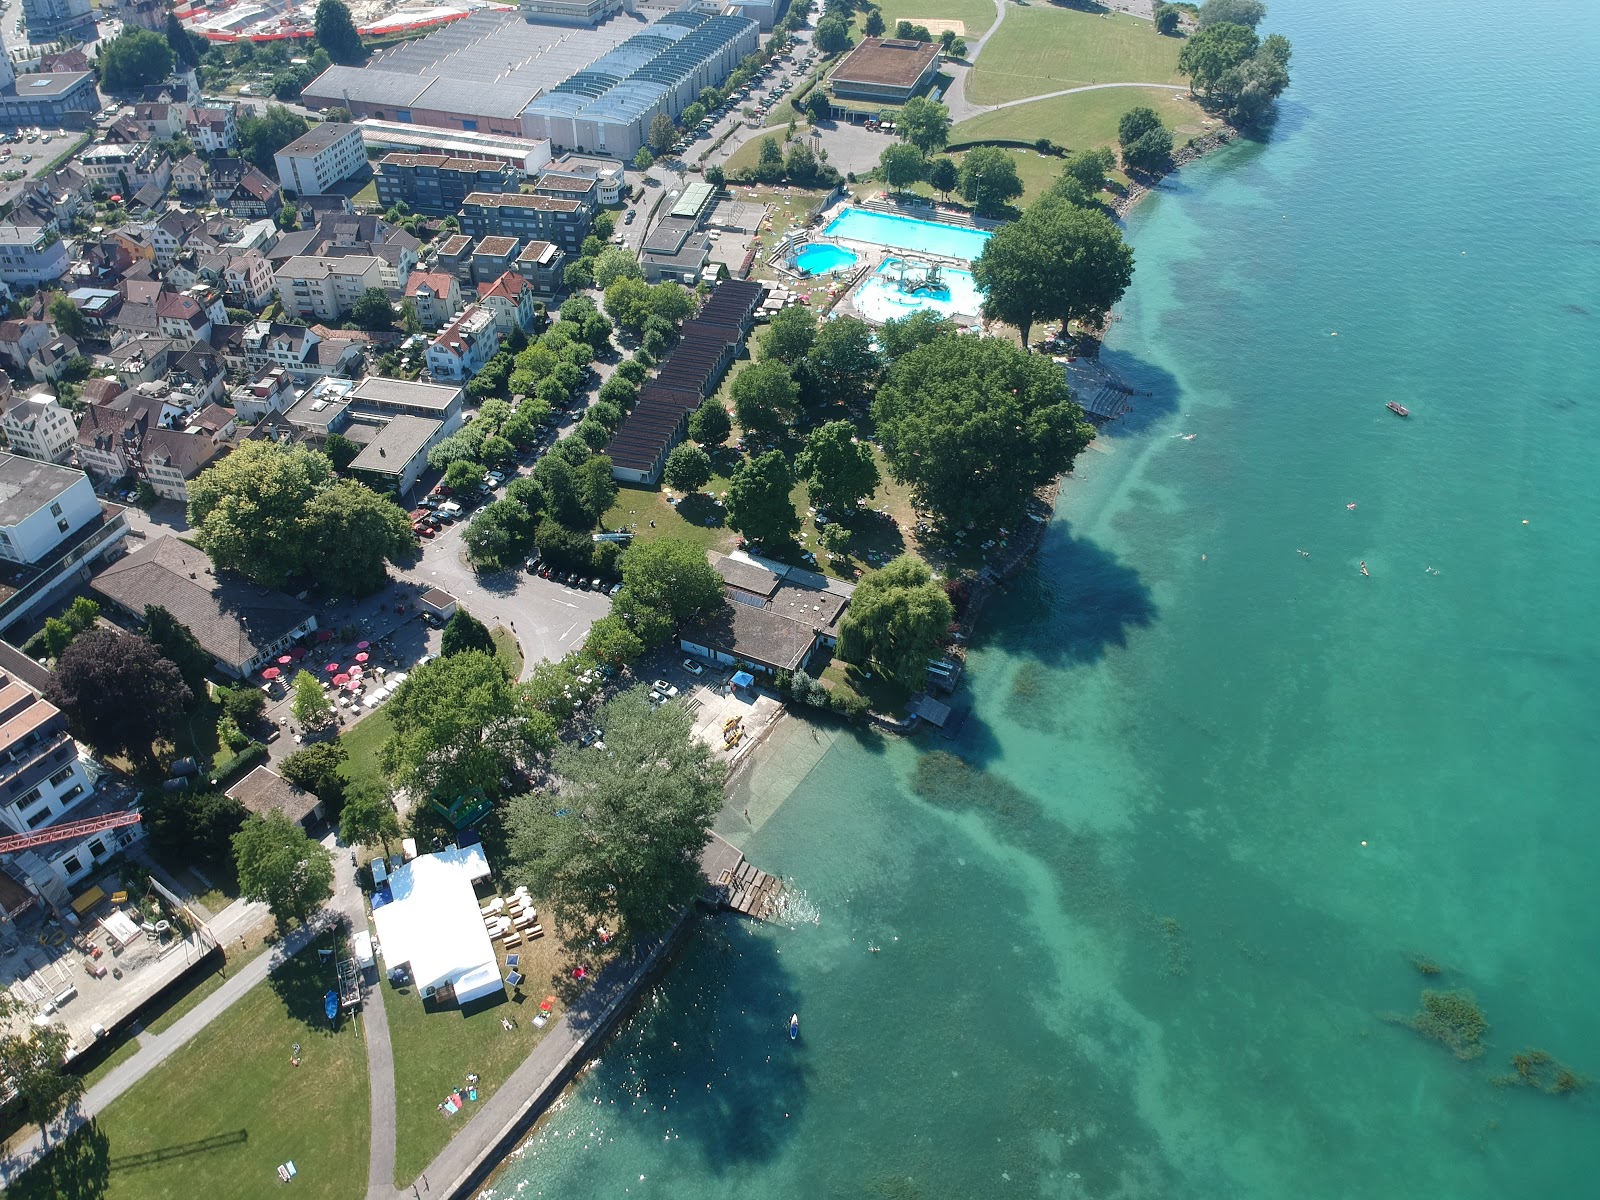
(1217, 797)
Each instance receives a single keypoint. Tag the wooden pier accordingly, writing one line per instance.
(734, 885)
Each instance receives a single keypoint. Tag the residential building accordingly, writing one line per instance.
(169, 458)
(146, 14)
(114, 443)
(32, 256)
(52, 527)
(243, 627)
(492, 257)
(562, 185)
(52, 99)
(255, 195)
(320, 158)
(511, 299)
(189, 175)
(38, 427)
(438, 184)
(170, 235)
(270, 391)
(248, 280)
(394, 450)
(22, 338)
(542, 264)
(460, 349)
(264, 791)
(58, 20)
(124, 169)
(182, 318)
(564, 222)
(300, 351)
(435, 295)
(213, 128)
(885, 70)
(97, 306)
(161, 120)
(399, 397)
(50, 362)
(325, 289)
(454, 255)
(775, 619)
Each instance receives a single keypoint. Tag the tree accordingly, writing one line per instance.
(611, 642)
(620, 842)
(369, 818)
(903, 165)
(765, 398)
(924, 123)
(311, 708)
(134, 58)
(643, 160)
(341, 451)
(1146, 143)
(280, 865)
(336, 33)
(179, 646)
(709, 424)
(1089, 168)
(715, 176)
(463, 632)
(832, 36)
(188, 48)
(31, 1058)
(459, 728)
(758, 500)
(1213, 51)
(1056, 261)
(989, 178)
(1166, 19)
(898, 337)
(800, 165)
(262, 137)
(897, 619)
(943, 176)
(613, 263)
(64, 315)
(974, 425)
(316, 769)
(874, 26)
(248, 509)
(688, 468)
(373, 310)
(118, 692)
(769, 160)
(671, 575)
(790, 334)
(842, 365)
(839, 471)
(1248, 13)
(662, 134)
(1248, 90)
(351, 533)
(499, 533)
(243, 705)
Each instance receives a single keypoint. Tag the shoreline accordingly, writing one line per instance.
(1194, 151)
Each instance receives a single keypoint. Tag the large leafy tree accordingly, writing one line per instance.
(248, 510)
(500, 532)
(688, 468)
(1089, 168)
(336, 33)
(974, 425)
(1146, 142)
(924, 123)
(842, 366)
(838, 469)
(463, 632)
(119, 692)
(369, 818)
(318, 769)
(262, 137)
(943, 175)
(671, 575)
(832, 35)
(902, 165)
(897, 618)
(31, 1059)
(179, 646)
(134, 58)
(661, 134)
(620, 842)
(613, 642)
(1057, 261)
(1213, 51)
(373, 309)
(709, 424)
(192, 826)
(310, 706)
(1248, 90)
(351, 532)
(790, 334)
(765, 398)
(921, 327)
(758, 499)
(280, 865)
(614, 263)
(989, 178)
(460, 728)
(65, 316)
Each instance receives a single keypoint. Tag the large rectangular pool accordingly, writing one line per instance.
(908, 233)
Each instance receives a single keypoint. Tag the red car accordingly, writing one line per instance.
(439, 489)
(422, 530)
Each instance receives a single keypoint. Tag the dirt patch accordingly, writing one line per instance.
(939, 25)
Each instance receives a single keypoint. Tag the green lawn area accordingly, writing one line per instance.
(218, 1117)
(1084, 120)
(363, 742)
(202, 986)
(507, 650)
(367, 196)
(115, 1059)
(1047, 49)
(639, 506)
(436, 1048)
(974, 15)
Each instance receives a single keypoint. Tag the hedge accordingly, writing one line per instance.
(229, 767)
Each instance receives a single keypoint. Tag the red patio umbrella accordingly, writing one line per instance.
(362, 645)
(284, 660)
(362, 657)
(331, 668)
(357, 672)
(547, 1004)
(340, 680)
(324, 635)
(271, 673)
(298, 653)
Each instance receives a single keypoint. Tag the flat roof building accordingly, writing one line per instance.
(891, 70)
(321, 157)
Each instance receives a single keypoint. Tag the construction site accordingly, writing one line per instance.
(276, 20)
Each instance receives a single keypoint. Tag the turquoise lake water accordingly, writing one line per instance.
(908, 233)
(1138, 948)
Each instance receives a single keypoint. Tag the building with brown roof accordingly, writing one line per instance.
(264, 791)
(885, 70)
(437, 183)
(564, 222)
(775, 618)
(435, 295)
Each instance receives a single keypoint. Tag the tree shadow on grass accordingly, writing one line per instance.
(700, 508)
(303, 981)
(79, 1168)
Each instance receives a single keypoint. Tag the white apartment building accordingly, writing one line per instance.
(38, 427)
(463, 346)
(40, 504)
(249, 278)
(32, 254)
(325, 289)
(327, 153)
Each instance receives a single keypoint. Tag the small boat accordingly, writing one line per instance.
(330, 1005)
(794, 1027)
(1399, 410)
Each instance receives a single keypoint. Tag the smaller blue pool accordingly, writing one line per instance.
(819, 258)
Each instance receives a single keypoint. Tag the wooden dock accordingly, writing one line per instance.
(734, 885)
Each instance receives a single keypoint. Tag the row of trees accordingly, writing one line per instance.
(1238, 73)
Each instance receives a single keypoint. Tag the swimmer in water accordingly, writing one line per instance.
(1188, 437)
(1303, 553)
(1364, 570)
(1351, 506)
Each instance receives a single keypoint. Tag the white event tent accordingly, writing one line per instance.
(433, 923)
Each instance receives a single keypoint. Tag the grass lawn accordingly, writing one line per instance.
(1046, 49)
(256, 941)
(884, 695)
(111, 1061)
(367, 196)
(639, 506)
(507, 650)
(363, 742)
(436, 1048)
(974, 15)
(1085, 120)
(218, 1117)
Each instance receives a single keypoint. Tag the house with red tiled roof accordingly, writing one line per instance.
(511, 299)
(436, 296)
(181, 317)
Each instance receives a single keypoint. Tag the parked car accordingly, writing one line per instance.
(615, 588)
(693, 667)
(532, 565)
(421, 530)
(665, 688)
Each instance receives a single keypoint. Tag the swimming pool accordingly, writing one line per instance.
(818, 258)
(908, 233)
(880, 299)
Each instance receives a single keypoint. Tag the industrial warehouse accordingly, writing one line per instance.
(586, 89)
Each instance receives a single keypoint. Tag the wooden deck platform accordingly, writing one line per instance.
(734, 885)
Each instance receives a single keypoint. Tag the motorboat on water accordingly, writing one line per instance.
(794, 1027)
(1398, 409)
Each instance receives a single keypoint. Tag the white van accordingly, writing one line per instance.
(361, 943)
